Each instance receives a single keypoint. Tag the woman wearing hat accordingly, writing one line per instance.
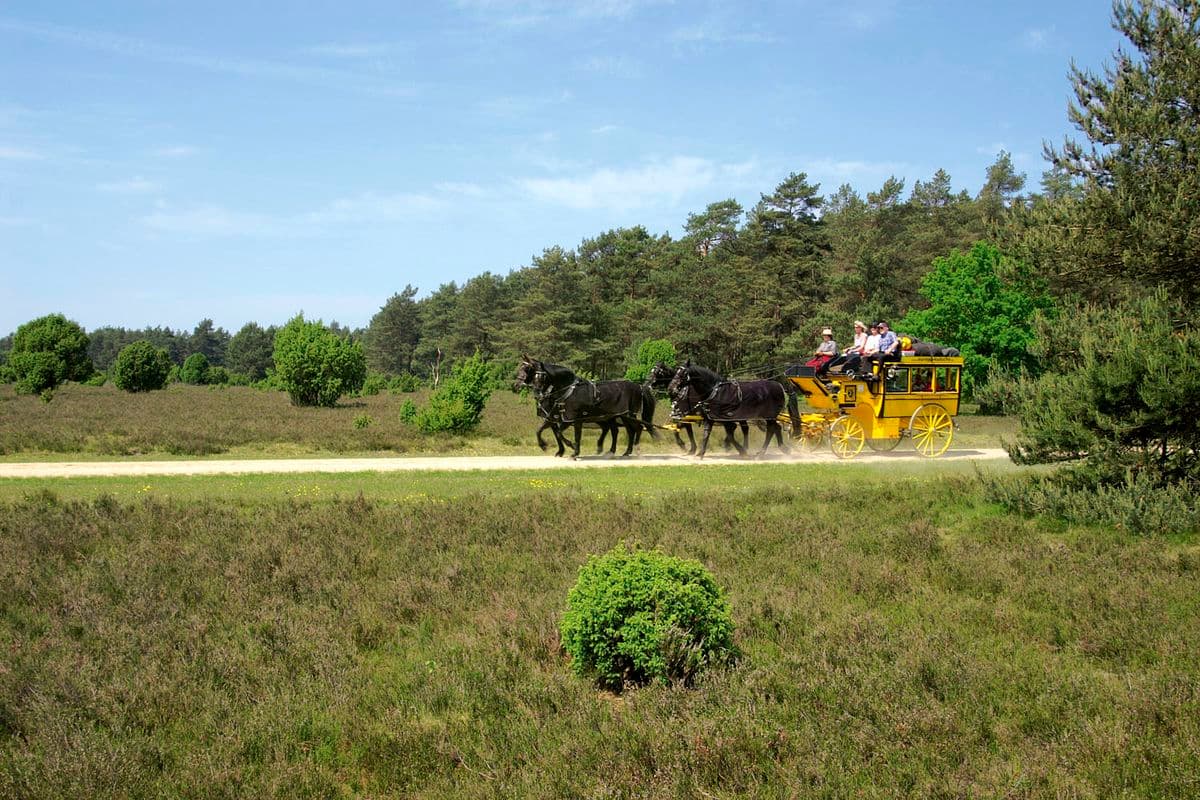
(853, 351)
(825, 351)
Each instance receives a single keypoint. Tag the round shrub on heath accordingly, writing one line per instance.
(141, 367)
(636, 616)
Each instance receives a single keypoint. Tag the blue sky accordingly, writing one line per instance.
(165, 162)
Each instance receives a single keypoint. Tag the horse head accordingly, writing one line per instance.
(526, 370)
(659, 376)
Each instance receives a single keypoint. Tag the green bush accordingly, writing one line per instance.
(649, 353)
(141, 367)
(314, 365)
(636, 616)
(408, 412)
(97, 379)
(404, 383)
(195, 370)
(375, 383)
(218, 376)
(48, 351)
(458, 403)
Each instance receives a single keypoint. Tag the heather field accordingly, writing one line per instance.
(191, 421)
(900, 637)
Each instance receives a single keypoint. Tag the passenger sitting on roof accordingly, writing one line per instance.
(860, 341)
(854, 361)
(824, 352)
(889, 348)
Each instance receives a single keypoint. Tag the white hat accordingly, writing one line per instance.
(858, 323)
(827, 332)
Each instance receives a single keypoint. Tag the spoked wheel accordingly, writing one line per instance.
(883, 445)
(812, 437)
(931, 429)
(846, 437)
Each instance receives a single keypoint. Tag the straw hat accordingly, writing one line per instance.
(858, 323)
(827, 332)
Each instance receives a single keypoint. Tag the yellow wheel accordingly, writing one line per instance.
(931, 429)
(811, 437)
(847, 437)
(883, 445)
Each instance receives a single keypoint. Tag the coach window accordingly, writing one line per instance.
(922, 380)
(946, 379)
(898, 382)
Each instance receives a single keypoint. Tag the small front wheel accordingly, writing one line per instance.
(931, 430)
(846, 437)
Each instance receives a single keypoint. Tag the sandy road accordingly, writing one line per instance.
(81, 469)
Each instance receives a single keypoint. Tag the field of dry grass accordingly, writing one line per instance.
(102, 422)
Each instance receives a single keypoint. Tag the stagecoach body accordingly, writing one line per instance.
(916, 398)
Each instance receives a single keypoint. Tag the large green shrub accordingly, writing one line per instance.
(636, 616)
(48, 351)
(195, 369)
(314, 365)
(457, 405)
(649, 353)
(141, 367)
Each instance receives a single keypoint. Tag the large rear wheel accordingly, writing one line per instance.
(931, 430)
(846, 437)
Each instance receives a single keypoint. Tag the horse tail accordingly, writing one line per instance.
(648, 403)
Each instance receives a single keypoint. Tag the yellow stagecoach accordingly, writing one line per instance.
(916, 397)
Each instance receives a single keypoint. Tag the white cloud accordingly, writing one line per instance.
(371, 207)
(146, 50)
(209, 220)
(604, 130)
(626, 189)
(714, 32)
(1038, 39)
(134, 185)
(176, 151)
(365, 209)
(524, 105)
(352, 49)
(461, 189)
(616, 66)
(18, 154)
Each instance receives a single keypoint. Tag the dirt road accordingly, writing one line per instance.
(78, 469)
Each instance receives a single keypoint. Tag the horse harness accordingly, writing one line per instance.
(556, 399)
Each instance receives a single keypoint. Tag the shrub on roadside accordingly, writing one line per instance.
(457, 405)
(636, 616)
(141, 367)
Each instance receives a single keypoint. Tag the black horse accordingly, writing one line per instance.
(576, 401)
(548, 414)
(558, 410)
(658, 378)
(719, 400)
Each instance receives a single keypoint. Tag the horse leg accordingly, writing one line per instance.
(633, 433)
(687, 427)
(779, 437)
(542, 442)
(745, 448)
(603, 436)
(679, 441)
(614, 430)
(578, 437)
(704, 437)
